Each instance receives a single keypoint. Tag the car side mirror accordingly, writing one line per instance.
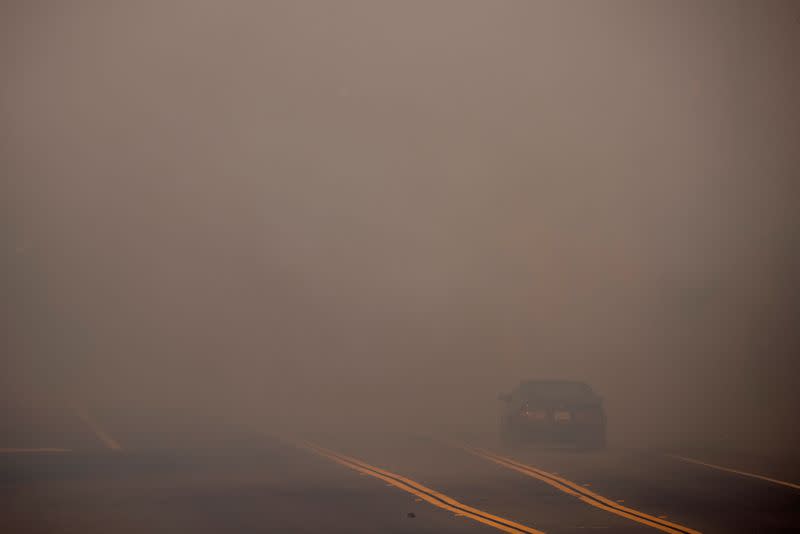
(505, 397)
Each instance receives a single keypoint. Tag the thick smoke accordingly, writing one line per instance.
(373, 211)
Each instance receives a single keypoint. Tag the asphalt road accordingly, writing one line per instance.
(61, 472)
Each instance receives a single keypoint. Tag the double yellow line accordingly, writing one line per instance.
(585, 495)
(415, 488)
(103, 436)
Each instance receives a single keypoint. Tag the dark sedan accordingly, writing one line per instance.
(553, 412)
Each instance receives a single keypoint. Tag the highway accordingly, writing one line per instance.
(69, 470)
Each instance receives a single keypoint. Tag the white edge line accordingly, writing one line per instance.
(735, 471)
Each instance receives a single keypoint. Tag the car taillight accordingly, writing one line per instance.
(534, 414)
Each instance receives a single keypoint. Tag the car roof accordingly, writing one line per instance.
(551, 381)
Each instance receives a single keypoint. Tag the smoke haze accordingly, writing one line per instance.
(317, 213)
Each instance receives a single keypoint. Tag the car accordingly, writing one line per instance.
(553, 412)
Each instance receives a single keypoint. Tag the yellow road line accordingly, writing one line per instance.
(735, 471)
(415, 488)
(38, 449)
(576, 490)
(101, 434)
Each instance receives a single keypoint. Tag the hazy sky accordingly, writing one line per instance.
(227, 203)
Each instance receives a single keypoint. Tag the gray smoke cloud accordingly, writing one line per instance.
(326, 210)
